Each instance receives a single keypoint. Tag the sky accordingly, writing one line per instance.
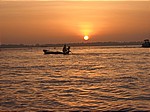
(32, 22)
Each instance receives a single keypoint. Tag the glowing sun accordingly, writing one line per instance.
(86, 37)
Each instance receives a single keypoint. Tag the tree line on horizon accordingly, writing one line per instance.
(71, 44)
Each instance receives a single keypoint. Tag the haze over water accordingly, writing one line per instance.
(91, 78)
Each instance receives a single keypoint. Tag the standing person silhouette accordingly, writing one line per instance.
(64, 49)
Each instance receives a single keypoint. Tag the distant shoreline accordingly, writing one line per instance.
(71, 44)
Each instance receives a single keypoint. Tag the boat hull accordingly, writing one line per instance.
(52, 52)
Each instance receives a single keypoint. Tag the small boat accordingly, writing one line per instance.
(146, 43)
(55, 52)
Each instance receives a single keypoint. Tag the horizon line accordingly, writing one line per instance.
(74, 0)
(71, 43)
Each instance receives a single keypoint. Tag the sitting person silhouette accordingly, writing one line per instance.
(66, 49)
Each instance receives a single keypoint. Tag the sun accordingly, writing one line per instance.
(86, 37)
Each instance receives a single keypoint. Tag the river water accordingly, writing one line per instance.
(90, 78)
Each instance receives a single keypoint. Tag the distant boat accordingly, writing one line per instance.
(55, 52)
(146, 43)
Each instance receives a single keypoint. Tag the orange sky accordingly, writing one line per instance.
(62, 22)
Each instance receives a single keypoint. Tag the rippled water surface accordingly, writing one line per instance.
(91, 78)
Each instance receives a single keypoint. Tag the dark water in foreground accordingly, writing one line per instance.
(91, 78)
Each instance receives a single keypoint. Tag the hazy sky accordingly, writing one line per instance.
(32, 22)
